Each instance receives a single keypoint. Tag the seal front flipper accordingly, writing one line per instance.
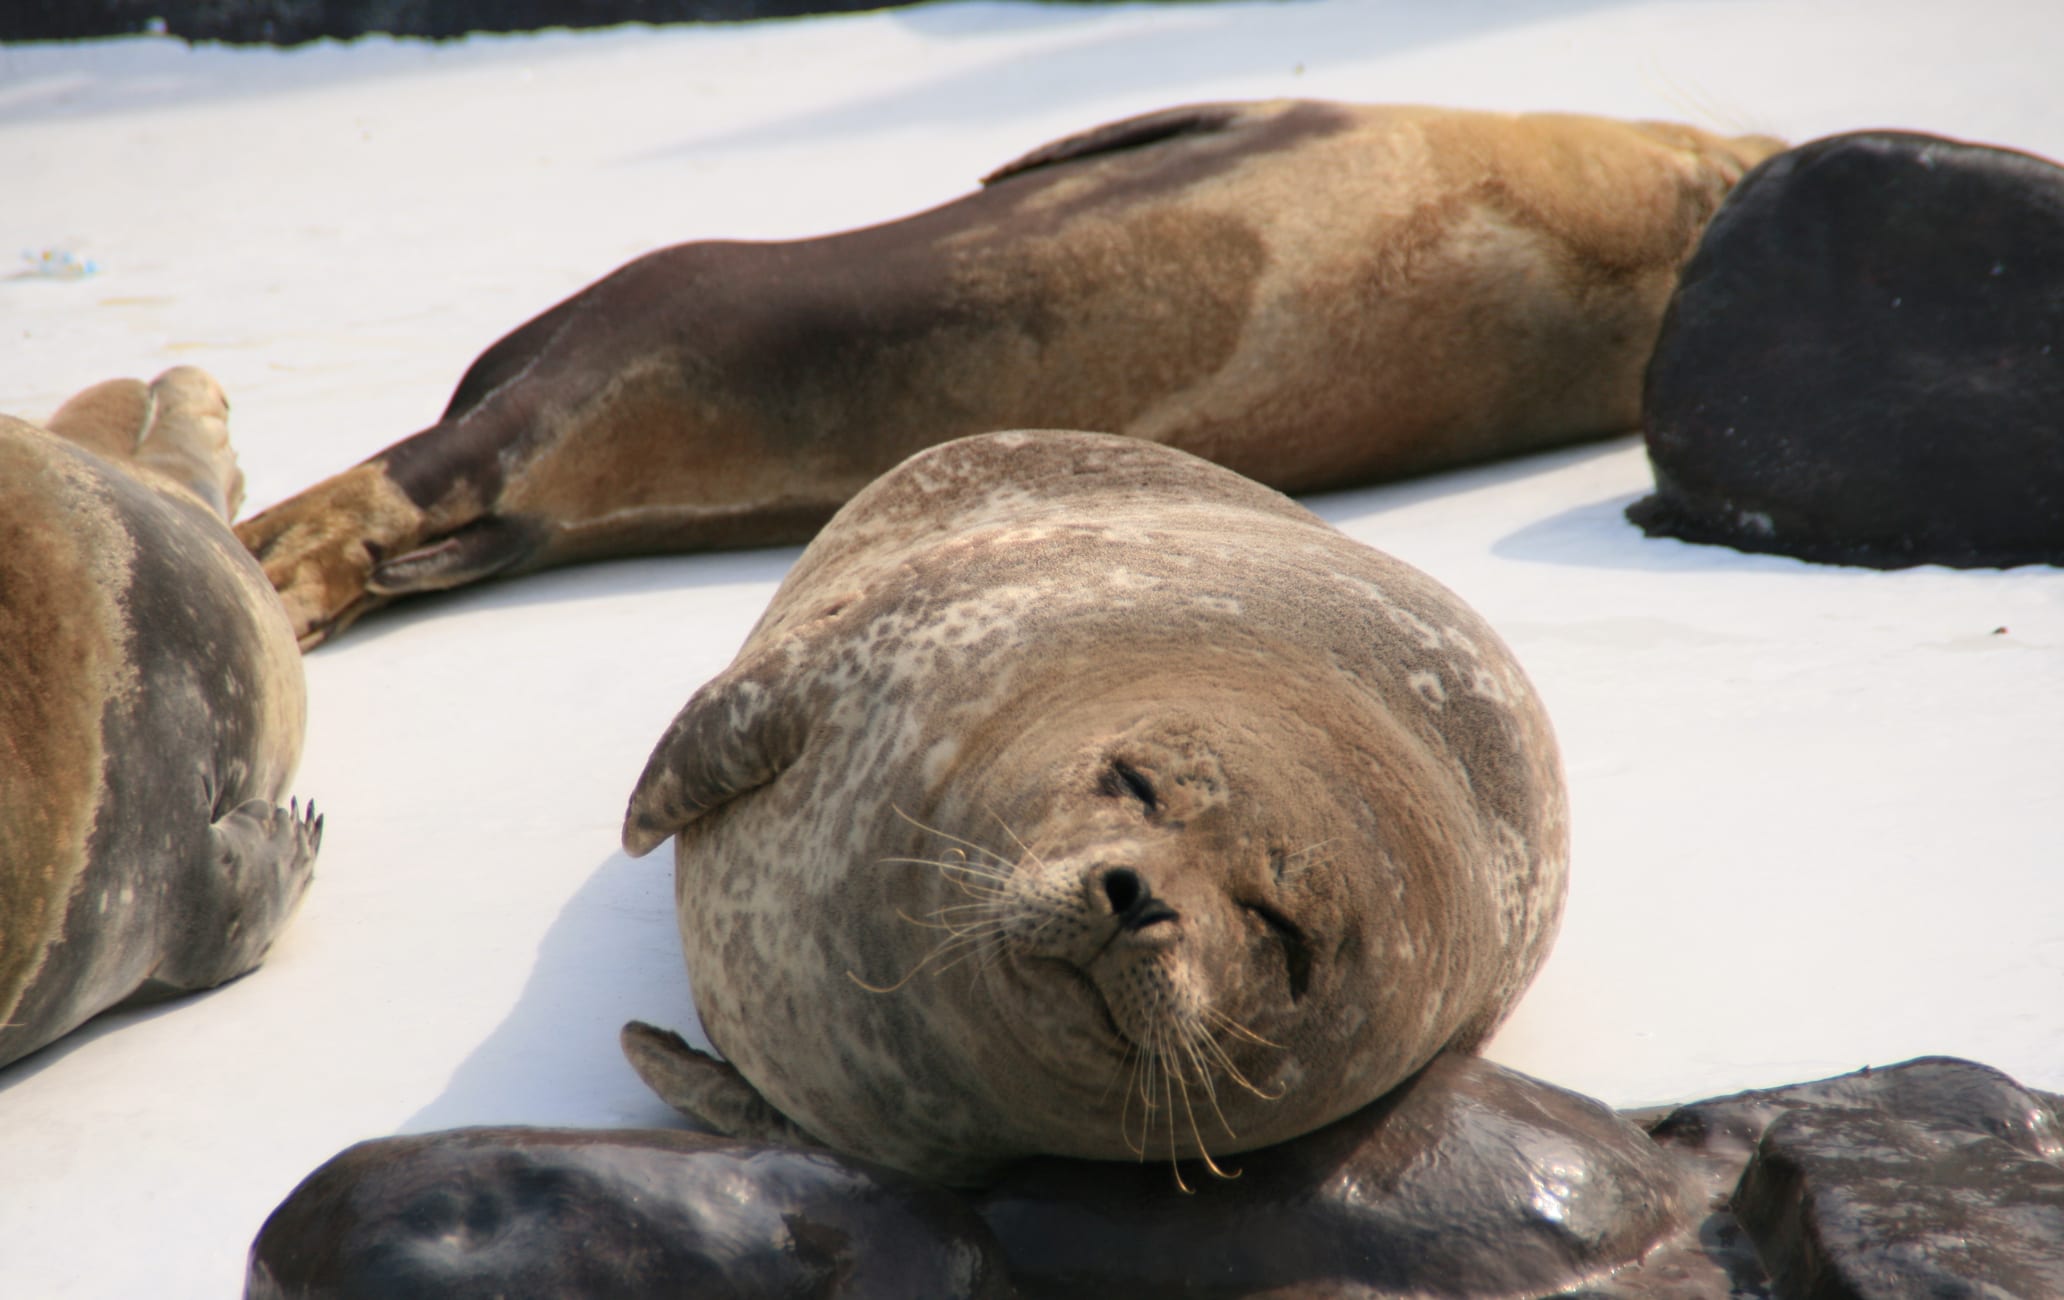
(705, 1089)
(259, 860)
(735, 734)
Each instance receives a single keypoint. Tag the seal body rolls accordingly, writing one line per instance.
(1077, 797)
(151, 713)
(1313, 294)
(1865, 362)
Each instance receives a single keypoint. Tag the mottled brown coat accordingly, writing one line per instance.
(1313, 294)
(1075, 796)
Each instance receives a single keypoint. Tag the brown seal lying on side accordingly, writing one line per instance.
(1077, 797)
(1312, 294)
(151, 713)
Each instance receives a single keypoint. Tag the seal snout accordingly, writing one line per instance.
(1132, 900)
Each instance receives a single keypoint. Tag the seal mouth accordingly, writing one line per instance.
(1080, 978)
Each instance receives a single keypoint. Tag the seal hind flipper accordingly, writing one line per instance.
(479, 550)
(107, 419)
(260, 859)
(705, 1089)
(177, 427)
(735, 734)
(1130, 133)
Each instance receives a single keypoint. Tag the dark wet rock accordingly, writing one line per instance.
(1935, 1178)
(1864, 360)
(1858, 1203)
(1471, 1180)
(1931, 1089)
(556, 1212)
(289, 22)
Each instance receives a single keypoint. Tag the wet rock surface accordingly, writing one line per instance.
(1470, 1180)
(1933, 1178)
(1864, 360)
(504, 1212)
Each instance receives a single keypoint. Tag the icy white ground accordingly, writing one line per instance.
(1816, 809)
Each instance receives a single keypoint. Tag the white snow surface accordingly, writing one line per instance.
(1816, 809)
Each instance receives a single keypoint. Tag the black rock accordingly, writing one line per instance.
(1864, 360)
(1470, 1180)
(490, 1212)
(290, 22)
(1936, 1178)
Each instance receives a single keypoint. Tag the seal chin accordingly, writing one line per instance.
(1091, 995)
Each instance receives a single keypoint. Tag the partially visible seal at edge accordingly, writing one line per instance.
(151, 716)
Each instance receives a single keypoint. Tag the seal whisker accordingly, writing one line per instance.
(1023, 848)
(970, 938)
(1139, 1082)
(962, 871)
(1236, 1029)
(1219, 1054)
(1196, 1133)
(1187, 1038)
(1168, 1082)
(948, 835)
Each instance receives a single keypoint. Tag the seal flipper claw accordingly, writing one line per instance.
(260, 859)
(705, 1089)
(479, 550)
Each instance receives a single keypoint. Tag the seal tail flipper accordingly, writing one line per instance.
(177, 426)
(260, 860)
(709, 1091)
(474, 552)
(188, 441)
(107, 419)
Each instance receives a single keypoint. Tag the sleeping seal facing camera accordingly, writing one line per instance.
(1077, 797)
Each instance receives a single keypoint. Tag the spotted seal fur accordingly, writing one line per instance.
(1077, 797)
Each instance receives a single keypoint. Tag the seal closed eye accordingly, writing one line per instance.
(1046, 871)
(1123, 778)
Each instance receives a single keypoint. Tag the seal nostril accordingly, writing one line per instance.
(1132, 902)
(1124, 889)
